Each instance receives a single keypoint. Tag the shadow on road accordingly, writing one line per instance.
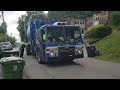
(60, 64)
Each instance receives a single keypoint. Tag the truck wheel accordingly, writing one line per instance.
(39, 58)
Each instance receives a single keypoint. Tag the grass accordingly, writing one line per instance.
(109, 47)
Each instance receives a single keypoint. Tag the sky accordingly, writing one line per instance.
(11, 18)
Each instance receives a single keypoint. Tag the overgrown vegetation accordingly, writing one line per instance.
(63, 15)
(97, 32)
(109, 46)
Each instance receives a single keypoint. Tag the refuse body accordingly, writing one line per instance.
(91, 51)
(10, 53)
(12, 67)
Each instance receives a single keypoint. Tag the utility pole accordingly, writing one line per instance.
(4, 25)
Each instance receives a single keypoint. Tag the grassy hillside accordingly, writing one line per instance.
(110, 47)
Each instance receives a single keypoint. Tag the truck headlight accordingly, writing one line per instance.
(79, 50)
(53, 51)
(52, 54)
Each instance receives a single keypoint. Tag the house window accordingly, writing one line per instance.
(83, 22)
(76, 22)
(80, 22)
(98, 18)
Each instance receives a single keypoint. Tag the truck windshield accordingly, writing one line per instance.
(73, 34)
(55, 34)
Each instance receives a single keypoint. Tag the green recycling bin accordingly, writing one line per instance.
(12, 67)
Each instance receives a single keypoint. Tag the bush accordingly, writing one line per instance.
(11, 39)
(93, 40)
(98, 31)
(87, 34)
(118, 28)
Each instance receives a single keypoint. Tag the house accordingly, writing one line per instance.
(100, 18)
(88, 22)
(96, 19)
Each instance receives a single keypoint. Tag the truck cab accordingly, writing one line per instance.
(61, 42)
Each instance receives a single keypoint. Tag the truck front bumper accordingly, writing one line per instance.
(66, 58)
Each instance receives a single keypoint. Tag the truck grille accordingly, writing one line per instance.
(63, 51)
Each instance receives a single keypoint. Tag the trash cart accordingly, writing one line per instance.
(12, 67)
(91, 51)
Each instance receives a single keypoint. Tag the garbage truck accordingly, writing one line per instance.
(51, 43)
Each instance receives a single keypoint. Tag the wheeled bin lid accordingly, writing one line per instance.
(11, 59)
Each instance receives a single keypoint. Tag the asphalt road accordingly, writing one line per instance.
(86, 68)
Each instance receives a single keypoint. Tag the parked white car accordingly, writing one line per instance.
(6, 46)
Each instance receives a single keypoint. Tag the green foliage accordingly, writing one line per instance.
(110, 47)
(118, 28)
(93, 40)
(3, 28)
(114, 18)
(63, 15)
(98, 31)
(3, 35)
(30, 14)
(21, 27)
(9, 38)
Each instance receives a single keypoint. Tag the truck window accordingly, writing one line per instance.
(73, 34)
(42, 35)
(56, 34)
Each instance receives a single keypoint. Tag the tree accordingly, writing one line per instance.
(3, 32)
(11, 39)
(30, 14)
(63, 15)
(20, 27)
(3, 28)
(114, 18)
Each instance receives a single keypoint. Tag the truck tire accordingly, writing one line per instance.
(39, 57)
(28, 50)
